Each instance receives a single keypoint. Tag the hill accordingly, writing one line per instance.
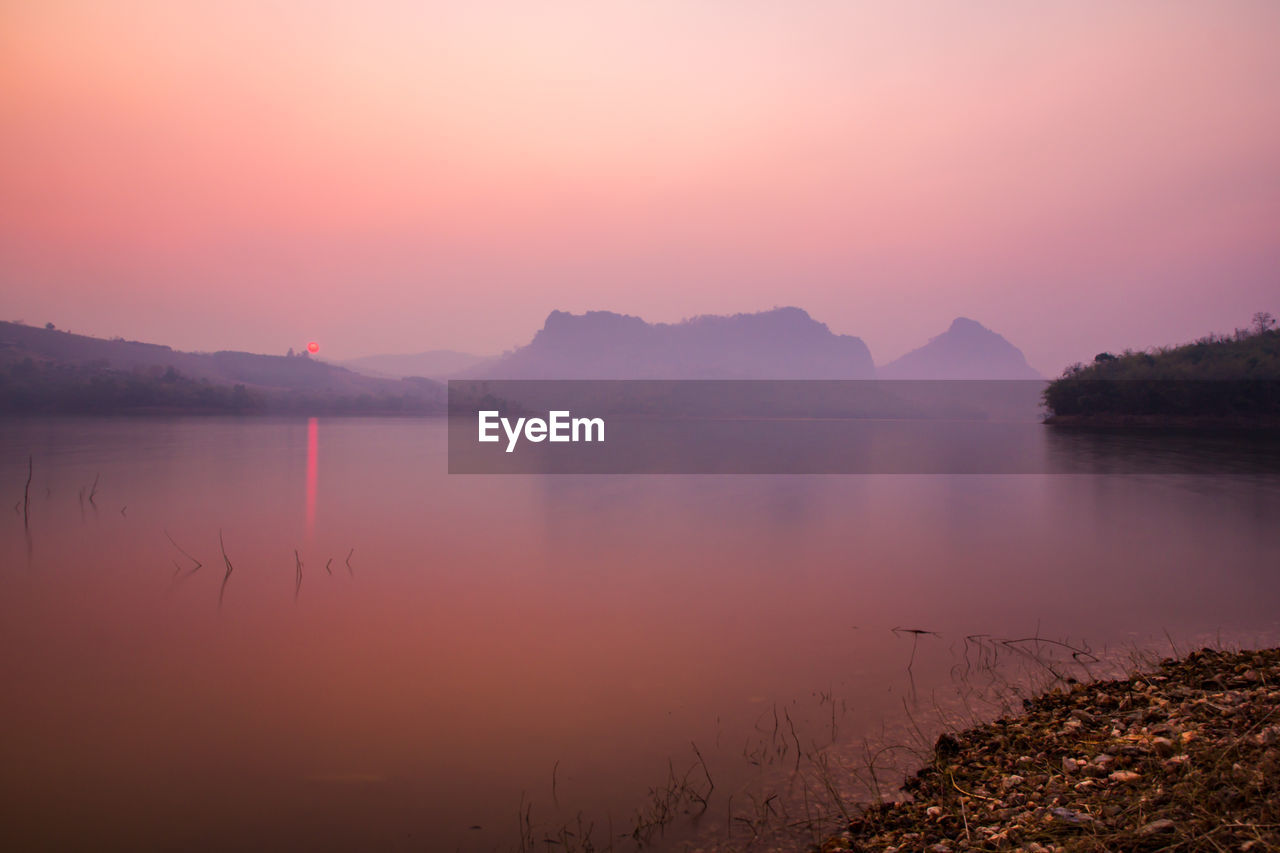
(1231, 379)
(433, 364)
(46, 370)
(967, 350)
(785, 343)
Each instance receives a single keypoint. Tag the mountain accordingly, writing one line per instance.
(785, 343)
(54, 371)
(967, 350)
(433, 364)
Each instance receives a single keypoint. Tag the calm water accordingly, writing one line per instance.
(556, 642)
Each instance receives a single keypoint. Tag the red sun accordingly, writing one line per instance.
(313, 347)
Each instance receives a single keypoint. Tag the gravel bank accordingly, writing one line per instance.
(1183, 758)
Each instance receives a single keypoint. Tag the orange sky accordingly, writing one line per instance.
(401, 176)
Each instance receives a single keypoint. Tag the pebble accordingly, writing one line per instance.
(1156, 827)
(1071, 816)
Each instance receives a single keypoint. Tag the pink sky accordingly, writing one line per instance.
(402, 176)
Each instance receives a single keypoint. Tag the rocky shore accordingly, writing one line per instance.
(1183, 758)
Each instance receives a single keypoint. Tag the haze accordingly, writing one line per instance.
(407, 176)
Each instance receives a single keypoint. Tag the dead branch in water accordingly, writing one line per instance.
(297, 586)
(93, 490)
(915, 638)
(711, 786)
(349, 570)
(26, 494)
(328, 564)
(227, 576)
(198, 564)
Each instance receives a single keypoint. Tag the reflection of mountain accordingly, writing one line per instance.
(967, 350)
(785, 343)
(435, 364)
(49, 370)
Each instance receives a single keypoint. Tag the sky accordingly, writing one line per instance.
(387, 176)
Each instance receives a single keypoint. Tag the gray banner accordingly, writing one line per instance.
(811, 427)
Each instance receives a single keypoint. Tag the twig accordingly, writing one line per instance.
(711, 786)
(966, 793)
(297, 587)
(915, 638)
(184, 553)
(794, 737)
(26, 493)
(223, 589)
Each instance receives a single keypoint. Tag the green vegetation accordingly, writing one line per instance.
(1218, 379)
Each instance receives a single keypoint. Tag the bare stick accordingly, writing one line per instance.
(915, 638)
(297, 586)
(711, 786)
(227, 576)
(198, 564)
(26, 493)
(328, 564)
(349, 570)
(794, 736)
(93, 490)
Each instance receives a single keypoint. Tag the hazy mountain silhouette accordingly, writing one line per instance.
(967, 350)
(785, 343)
(433, 364)
(130, 374)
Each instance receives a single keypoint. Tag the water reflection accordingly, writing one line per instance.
(506, 626)
(1150, 451)
(313, 468)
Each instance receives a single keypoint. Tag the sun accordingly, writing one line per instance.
(313, 348)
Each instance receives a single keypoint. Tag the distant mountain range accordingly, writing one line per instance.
(44, 369)
(967, 350)
(433, 364)
(785, 343)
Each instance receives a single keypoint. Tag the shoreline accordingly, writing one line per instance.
(1110, 421)
(1184, 757)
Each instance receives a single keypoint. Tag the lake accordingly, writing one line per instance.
(254, 633)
